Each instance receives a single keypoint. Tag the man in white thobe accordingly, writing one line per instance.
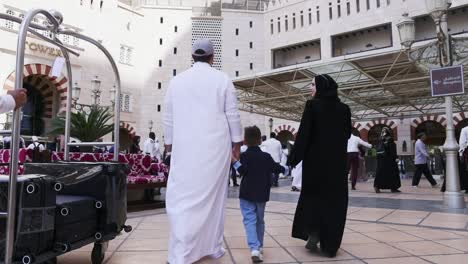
(200, 110)
(273, 147)
(151, 146)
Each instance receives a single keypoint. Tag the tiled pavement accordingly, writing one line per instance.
(381, 234)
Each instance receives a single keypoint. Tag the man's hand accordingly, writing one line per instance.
(20, 97)
(233, 159)
(236, 150)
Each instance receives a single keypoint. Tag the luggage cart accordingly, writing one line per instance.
(54, 19)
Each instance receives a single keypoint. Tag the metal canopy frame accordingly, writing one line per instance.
(54, 20)
(382, 86)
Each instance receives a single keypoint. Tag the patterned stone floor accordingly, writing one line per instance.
(411, 228)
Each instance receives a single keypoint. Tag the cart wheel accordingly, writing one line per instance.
(98, 254)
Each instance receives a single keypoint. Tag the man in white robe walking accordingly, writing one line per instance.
(200, 110)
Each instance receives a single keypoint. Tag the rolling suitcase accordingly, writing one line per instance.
(76, 220)
(34, 232)
(106, 182)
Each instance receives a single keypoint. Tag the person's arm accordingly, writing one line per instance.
(168, 122)
(303, 137)
(422, 149)
(7, 103)
(364, 144)
(233, 117)
(14, 99)
(241, 165)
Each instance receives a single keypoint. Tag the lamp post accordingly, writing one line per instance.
(76, 91)
(96, 89)
(438, 9)
(270, 124)
(112, 95)
(150, 125)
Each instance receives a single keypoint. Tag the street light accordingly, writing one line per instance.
(96, 89)
(76, 91)
(150, 125)
(270, 124)
(438, 9)
(112, 95)
(407, 31)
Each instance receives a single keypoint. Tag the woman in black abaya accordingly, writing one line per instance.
(321, 143)
(387, 175)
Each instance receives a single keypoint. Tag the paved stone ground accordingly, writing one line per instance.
(411, 228)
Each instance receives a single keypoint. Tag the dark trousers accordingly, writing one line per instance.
(233, 176)
(420, 169)
(353, 164)
(275, 179)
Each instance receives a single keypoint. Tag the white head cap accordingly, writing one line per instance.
(202, 47)
(35, 139)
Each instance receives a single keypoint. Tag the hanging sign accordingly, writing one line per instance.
(447, 81)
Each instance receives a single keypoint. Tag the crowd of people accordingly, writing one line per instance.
(324, 152)
(203, 100)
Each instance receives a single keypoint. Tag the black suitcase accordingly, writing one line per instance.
(103, 181)
(35, 215)
(76, 219)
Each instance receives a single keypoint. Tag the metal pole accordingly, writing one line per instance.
(117, 86)
(453, 198)
(69, 101)
(11, 219)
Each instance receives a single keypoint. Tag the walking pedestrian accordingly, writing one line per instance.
(387, 175)
(354, 143)
(421, 159)
(201, 101)
(321, 144)
(273, 147)
(256, 168)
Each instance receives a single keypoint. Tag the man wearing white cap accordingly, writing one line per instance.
(202, 130)
(36, 145)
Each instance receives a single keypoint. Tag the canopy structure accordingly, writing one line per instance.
(383, 86)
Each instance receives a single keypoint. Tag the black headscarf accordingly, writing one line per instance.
(326, 87)
(386, 135)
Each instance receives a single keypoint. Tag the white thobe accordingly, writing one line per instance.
(200, 110)
(297, 176)
(7, 103)
(463, 140)
(151, 147)
(273, 147)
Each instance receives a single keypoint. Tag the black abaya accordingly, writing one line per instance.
(322, 144)
(387, 175)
